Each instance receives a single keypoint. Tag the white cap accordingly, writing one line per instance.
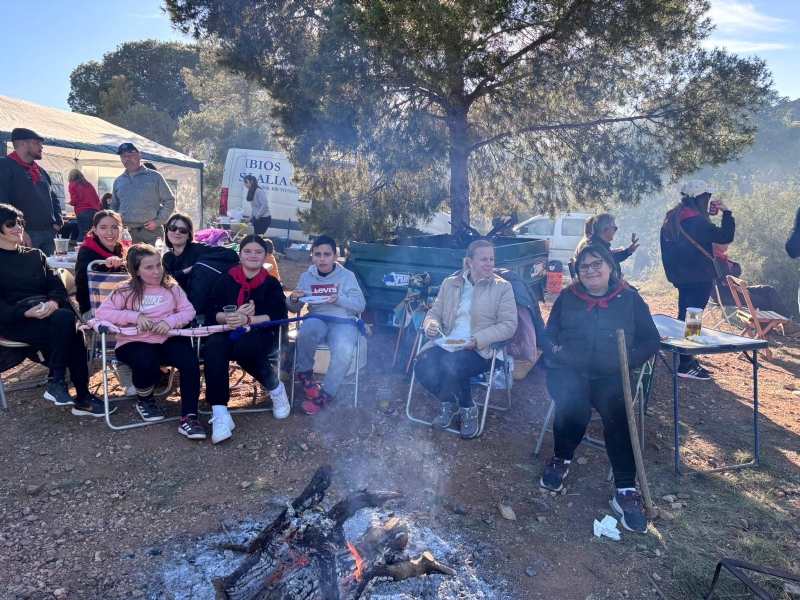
(696, 187)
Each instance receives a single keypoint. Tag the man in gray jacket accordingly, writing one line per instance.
(141, 196)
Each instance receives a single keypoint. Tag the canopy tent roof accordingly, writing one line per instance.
(65, 129)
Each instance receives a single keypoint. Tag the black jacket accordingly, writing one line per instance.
(38, 203)
(25, 273)
(175, 264)
(268, 298)
(793, 243)
(209, 264)
(683, 262)
(586, 341)
(523, 297)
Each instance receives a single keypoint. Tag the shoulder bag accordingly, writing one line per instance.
(714, 260)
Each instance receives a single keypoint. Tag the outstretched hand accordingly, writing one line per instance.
(634, 244)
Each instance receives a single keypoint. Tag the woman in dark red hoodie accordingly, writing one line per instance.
(84, 199)
(687, 238)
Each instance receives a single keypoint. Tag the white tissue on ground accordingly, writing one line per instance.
(606, 527)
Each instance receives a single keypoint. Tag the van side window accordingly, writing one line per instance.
(572, 227)
(542, 227)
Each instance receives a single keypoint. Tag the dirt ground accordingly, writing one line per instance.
(115, 505)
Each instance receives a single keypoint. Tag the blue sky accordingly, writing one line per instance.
(36, 66)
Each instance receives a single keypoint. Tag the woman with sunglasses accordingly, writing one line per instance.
(584, 372)
(34, 309)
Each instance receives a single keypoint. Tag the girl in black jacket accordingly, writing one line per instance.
(690, 269)
(101, 243)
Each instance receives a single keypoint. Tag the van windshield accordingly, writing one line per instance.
(538, 227)
(572, 227)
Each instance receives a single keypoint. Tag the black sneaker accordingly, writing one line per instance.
(554, 474)
(449, 412)
(693, 371)
(58, 394)
(191, 428)
(469, 422)
(149, 411)
(629, 507)
(92, 406)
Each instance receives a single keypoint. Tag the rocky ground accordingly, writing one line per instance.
(89, 513)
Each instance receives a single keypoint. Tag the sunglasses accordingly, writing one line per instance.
(594, 266)
(10, 224)
(183, 230)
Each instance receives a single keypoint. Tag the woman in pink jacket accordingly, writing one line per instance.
(153, 302)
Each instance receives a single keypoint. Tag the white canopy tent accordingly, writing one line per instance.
(90, 144)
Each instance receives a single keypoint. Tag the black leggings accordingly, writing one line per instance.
(145, 361)
(261, 225)
(446, 374)
(692, 295)
(60, 342)
(251, 351)
(575, 395)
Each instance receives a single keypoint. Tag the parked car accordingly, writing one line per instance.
(564, 232)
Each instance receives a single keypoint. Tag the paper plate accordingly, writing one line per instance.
(314, 299)
(443, 343)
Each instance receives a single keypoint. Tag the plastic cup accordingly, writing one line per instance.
(230, 308)
(694, 322)
(62, 246)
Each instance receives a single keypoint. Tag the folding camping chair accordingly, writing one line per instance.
(13, 354)
(102, 343)
(725, 312)
(757, 323)
(352, 375)
(497, 348)
(644, 378)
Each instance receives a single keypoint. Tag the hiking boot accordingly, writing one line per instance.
(693, 371)
(280, 402)
(191, 428)
(221, 428)
(629, 508)
(92, 406)
(149, 411)
(312, 407)
(469, 422)
(58, 394)
(554, 473)
(310, 385)
(449, 412)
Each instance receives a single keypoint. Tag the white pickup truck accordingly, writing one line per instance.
(564, 232)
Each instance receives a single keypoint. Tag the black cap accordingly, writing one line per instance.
(20, 133)
(127, 147)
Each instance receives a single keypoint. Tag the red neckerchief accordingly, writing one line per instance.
(33, 168)
(239, 277)
(601, 302)
(688, 212)
(723, 256)
(90, 242)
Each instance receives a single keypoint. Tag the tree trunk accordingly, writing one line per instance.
(459, 170)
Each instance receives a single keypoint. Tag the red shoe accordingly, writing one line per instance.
(312, 407)
(310, 385)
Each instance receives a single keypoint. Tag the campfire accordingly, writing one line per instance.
(304, 555)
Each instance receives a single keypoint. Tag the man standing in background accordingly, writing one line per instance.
(27, 187)
(141, 196)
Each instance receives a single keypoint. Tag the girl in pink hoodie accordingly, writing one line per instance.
(153, 302)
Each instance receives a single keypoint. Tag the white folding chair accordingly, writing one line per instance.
(13, 354)
(497, 347)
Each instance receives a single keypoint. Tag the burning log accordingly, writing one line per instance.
(303, 553)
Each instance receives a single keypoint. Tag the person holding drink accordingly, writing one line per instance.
(687, 238)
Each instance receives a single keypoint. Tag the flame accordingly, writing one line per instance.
(359, 561)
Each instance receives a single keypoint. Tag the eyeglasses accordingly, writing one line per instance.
(183, 230)
(11, 223)
(615, 227)
(594, 266)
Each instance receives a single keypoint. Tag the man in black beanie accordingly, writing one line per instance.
(26, 186)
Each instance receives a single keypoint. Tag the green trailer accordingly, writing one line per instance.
(433, 254)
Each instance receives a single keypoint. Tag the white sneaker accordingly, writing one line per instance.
(222, 429)
(280, 403)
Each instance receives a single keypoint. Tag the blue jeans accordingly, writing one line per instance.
(84, 219)
(341, 338)
(43, 240)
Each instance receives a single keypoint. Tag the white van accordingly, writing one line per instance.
(564, 232)
(274, 174)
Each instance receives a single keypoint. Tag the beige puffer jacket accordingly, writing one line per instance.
(494, 312)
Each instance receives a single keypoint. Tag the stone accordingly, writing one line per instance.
(59, 592)
(676, 505)
(666, 515)
(137, 593)
(530, 571)
(669, 498)
(682, 496)
(541, 519)
(304, 447)
(245, 484)
(507, 513)
(32, 490)
(28, 593)
(582, 460)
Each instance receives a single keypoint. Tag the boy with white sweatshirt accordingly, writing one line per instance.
(328, 289)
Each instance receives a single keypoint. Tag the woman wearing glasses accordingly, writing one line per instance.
(34, 309)
(584, 372)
